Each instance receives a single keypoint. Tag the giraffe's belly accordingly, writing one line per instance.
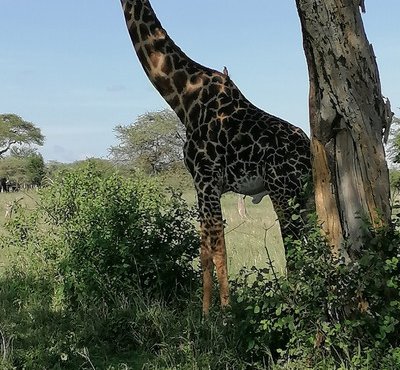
(252, 186)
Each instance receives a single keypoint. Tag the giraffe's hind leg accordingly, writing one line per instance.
(290, 226)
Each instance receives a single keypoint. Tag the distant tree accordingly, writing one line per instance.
(35, 169)
(26, 170)
(152, 143)
(105, 166)
(53, 168)
(14, 130)
(22, 151)
(13, 169)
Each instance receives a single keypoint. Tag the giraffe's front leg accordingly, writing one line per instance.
(206, 264)
(213, 252)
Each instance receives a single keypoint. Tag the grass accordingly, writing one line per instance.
(39, 330)
(246, 238)
(36, 332)
(26, 199)
(252, 240)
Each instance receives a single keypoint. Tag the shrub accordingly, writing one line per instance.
(106, 236)
(325, 313)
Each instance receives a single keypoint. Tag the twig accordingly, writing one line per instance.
(268, 255)
(85, 355)
(236, 227)
(5, 346)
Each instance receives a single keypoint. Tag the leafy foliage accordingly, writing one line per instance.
(23, 168)
(153, 143)
(105, 236)
(14, 130)
(325, 313)
(105, 265)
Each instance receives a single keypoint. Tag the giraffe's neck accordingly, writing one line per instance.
(178, 79)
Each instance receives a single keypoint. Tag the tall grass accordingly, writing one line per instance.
(135, 332)
(252, 240)
(101, 277)
(8, 201)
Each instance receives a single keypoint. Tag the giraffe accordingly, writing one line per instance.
(231, 145)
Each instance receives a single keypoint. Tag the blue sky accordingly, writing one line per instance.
(69, 67)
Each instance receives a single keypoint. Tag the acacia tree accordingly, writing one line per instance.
(14, 130)
(348, 117)
(152, 143)
(26, 169)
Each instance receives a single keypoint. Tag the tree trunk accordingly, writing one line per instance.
(348, 117)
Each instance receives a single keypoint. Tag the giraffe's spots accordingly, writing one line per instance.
(179, 63)
(222, 138)
(148, 16)
(156, 59)
(235, 94)
(213, 131)
(158, 33)
(245, 153)
(211, 151)
(239, 115)
(246, 140)
(194, 83)
(190, 166)
(213, 89)
(188, 100)
(143, 59)
(166, 67)
(174, 101)
(227, 109)
(128, 10)
(264, 141)
(222, 89)
(133, 33)
(163, 84)
(221, 116)
(179, 79)
(225, 101)
(194, 113)
(210, 115)
(190, 149)
(257, 151)
(144, 32)
(217, 80)
(199, 158)
(203, 131)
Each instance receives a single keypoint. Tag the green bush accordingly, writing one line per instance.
(325, 313)
(105, 263)
(104, 237)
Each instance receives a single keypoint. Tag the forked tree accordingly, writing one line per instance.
(349, 118)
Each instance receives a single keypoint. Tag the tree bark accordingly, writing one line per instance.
(348, 117)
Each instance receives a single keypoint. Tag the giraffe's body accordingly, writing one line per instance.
(231, 145)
